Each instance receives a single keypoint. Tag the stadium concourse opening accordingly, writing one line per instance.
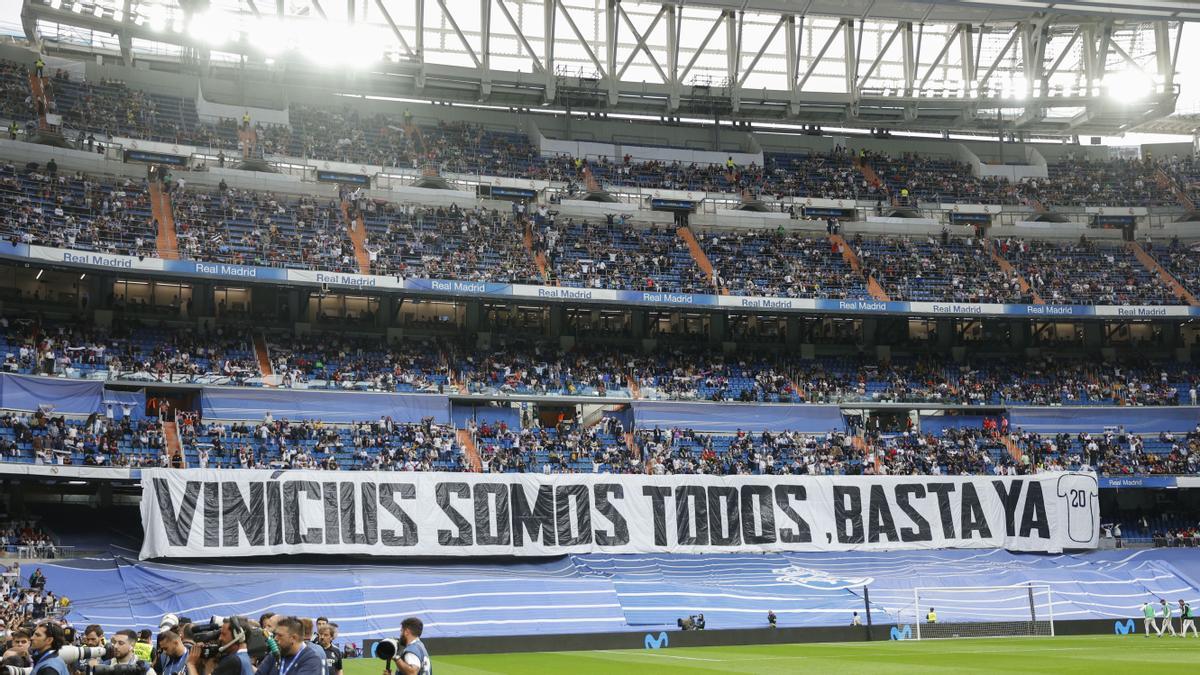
(346, 331)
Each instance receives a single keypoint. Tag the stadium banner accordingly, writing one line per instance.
(458, 287)
(201, 513)
(1137, 482)
(344, 279)
(224, 270)
(563, 292)
(94, 259)
(148, 157)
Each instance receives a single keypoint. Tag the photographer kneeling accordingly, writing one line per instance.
(295, 657)
(230, 647)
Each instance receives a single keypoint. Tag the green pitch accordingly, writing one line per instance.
(1092, 654)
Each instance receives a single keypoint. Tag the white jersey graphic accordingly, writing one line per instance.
(1078, 494)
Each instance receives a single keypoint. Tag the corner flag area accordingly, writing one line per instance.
(1091, 654)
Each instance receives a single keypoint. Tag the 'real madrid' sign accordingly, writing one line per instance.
(202, 513)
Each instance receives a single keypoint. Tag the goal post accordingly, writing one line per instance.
(983, 611)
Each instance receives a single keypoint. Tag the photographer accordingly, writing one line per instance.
(295, 657)
(235, 659)
(122, 650)
(414, 658)
(172, 654)
(47, 639)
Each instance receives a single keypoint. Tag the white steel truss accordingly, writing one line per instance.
(855, 62)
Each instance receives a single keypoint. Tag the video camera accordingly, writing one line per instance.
(208, 636)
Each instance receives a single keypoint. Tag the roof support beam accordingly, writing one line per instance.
(987, 75)
(457, 31)
(820, 55)
(712, 30)
(641, 39)
(549, 17)
(600, 70)
(941, 55)
(882, 52)
(762, 50)
(537, 64)
(674, 26)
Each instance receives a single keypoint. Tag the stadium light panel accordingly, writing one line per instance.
(1127, 85)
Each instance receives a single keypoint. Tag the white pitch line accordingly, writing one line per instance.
(688, 658)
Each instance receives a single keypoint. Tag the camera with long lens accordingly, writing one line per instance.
(73, 654)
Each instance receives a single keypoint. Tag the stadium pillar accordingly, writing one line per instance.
(202, 300)
(638, 323)
(792, 331)
(474, 314)
(945, 333)
(1018, 333)
(1093, 335)
(558, 319)
(718, 328)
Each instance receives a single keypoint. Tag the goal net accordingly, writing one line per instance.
(983, 611)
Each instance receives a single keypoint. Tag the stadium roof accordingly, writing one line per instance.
(1023, 66)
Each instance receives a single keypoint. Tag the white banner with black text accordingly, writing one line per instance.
(217, 513)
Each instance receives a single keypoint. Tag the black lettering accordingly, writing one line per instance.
(212, 515)
(784, 494)
(658, 496)
(177, 525)
(274, 514)
(330, 491)
(408, 529)
(442, 493)
(350, 511)
(879, 517)
(1034, 517)
(685, 516)
(943, 490)
(563, 496)
(539, 521)
(1009, 498)
(291, 511)
(235, 513)
(484, 495)
(848, 514)
(620, 531)
(973, 519)
(904, 493)
(765, 532)
(727, 530)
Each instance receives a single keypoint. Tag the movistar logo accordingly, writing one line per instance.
(902, 632)
(1126, 628)
(656, 642)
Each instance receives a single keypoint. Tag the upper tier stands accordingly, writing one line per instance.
(946, 269)
(112, 108)
(622, 257)
(792, 265)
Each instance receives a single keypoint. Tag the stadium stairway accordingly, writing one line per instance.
(39, 94)
(249, 139)
(174, 444)
(539, 259)
(868, 173)
(634, 390)
(860, 444)
(1013, 448)
(472, 452)
(1163, 275)
(264, 359)
(167, 242)
(852, 260)
(1165, 181)
(698, 255)
(1007, 268)
(356, 229)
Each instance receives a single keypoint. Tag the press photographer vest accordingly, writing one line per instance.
(417, 649)
(50, 661)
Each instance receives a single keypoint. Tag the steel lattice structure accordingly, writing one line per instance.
(1089, 66)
